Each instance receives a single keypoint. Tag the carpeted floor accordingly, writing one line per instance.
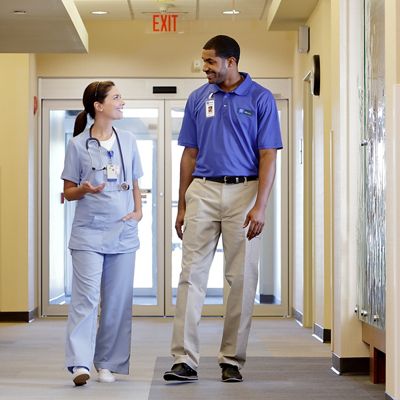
(267, 378)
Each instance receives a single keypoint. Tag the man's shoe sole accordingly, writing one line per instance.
(170, 376)
(232, 380)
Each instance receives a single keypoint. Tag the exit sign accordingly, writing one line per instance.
(164, 22)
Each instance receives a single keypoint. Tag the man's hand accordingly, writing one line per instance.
(179, 223)
(255, 220)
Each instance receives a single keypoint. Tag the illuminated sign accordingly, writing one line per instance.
(164, 22)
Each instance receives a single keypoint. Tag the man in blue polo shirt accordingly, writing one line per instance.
(231, 135)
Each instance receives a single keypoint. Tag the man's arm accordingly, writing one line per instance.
(188, 164)
(266, 176)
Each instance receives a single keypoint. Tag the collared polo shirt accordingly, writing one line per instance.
(230, 134)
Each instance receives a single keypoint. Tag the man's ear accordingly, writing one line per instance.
(231, 61)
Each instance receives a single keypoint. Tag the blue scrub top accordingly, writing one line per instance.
(98, 224)
(229, 138)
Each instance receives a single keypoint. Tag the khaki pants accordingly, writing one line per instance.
(213, 209)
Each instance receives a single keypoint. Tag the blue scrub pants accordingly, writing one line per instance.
(109, 277)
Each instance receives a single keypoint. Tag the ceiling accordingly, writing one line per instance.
(57, 26)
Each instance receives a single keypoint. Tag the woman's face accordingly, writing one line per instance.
(112, 105)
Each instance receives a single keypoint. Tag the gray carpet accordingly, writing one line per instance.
(267, 378)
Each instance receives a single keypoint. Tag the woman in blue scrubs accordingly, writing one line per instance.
(101, 172)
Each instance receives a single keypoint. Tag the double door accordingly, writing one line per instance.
(156, 125)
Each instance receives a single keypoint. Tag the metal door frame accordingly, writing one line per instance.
(70, 90)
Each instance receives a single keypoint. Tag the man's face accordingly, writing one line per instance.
(216, 68)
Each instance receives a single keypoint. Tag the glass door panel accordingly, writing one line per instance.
(272, 293)
(174, 111)
(145, 119)
(156, 125)
(58, 122)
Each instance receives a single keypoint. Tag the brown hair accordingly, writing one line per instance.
(95, 91)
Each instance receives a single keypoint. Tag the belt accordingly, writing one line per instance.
(228, 179)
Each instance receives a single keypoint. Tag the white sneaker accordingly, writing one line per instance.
(106, 376)
(80, 376)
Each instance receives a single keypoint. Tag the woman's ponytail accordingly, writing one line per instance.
(80, 123)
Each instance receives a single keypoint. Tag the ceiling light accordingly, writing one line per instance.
(19, 12)
(99, 12)
(231, 12)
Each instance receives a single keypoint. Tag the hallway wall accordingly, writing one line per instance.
(130, 49)
(347, 342)
(392, 72)
(321, 258)
(127, 49)
(122, 49)
(18, 212)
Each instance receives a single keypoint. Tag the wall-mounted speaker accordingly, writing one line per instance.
(304, 39)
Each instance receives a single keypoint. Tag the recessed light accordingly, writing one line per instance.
(19, 12)
(99, 12)
(231, 12)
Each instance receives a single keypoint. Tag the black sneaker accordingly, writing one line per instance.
(230, 373)
(181, 372)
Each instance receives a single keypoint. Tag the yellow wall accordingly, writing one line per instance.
(122, 49)
(347, 336)
(17, 189)
(320, 35)
(130, 49)
(320, 299)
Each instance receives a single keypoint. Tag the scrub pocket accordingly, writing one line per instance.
(129, 234)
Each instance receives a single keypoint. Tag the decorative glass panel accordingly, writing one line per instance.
(371, 308)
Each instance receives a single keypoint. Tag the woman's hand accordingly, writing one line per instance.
(136, 215)
(87, 187)
(74, 192)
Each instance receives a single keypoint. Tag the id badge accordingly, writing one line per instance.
(210, 108)
(112, 172)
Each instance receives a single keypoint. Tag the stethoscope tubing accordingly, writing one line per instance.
(91, 138)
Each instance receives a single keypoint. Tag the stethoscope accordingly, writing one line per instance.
(124, 185)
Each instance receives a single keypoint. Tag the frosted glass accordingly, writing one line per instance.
(372, 261)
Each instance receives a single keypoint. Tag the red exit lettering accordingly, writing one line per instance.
(164, 22)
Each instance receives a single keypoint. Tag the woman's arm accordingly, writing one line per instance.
(74, 192)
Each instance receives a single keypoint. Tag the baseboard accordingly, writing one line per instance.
(323, 334)
(18, 316)
(388, 397)
(350, 365)
(298, 316)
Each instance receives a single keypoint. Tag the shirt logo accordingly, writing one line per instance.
(245, 112)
